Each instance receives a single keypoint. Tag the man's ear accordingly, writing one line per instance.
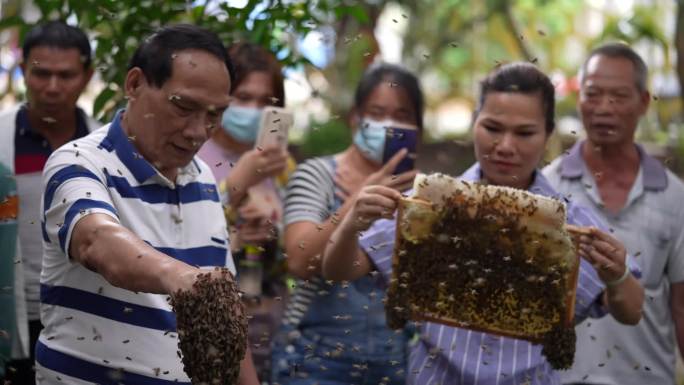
(135, 81)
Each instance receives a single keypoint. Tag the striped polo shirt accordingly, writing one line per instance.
(95, 332)
(450, 355)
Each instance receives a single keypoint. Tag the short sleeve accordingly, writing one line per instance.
(552, 172)
(71, 192)
(378, 243)
(309, 192)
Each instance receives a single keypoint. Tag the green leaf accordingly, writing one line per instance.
(356, 11)
(48, 6)
(260, 27)
(11, 21)
(198, 13)
(106, 95)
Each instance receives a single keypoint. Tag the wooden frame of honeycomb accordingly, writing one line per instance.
(486, 258)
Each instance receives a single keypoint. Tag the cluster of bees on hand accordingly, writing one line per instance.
(208, 352)
(212, 328)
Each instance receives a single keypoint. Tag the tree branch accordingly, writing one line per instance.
(509, 20)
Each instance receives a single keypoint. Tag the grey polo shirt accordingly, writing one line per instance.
(651, 225)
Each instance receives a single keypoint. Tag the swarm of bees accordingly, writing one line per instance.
(212, 329)
(487, 258)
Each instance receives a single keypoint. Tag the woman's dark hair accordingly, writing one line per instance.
(248, 58)
(155, 55)
(60, 35)
(399, 77)
(523, 78)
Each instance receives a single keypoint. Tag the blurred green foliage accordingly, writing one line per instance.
(552, 34)
(450, 44)
(325, 138)
(116, 28)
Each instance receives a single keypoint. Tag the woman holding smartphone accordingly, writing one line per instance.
(336, 333)
(245, 170)
(513, 122)
(254, 181)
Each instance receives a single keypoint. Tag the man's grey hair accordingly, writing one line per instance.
(620, 50)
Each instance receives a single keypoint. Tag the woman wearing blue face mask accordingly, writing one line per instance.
(254, 180)
(337, 333)
(258, 83)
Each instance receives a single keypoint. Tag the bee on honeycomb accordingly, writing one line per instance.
(518, 283)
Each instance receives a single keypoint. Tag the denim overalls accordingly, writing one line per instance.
(342, 337)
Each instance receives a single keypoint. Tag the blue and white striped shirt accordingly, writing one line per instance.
(451, 355)
(95, 332)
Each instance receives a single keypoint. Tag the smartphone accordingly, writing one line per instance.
(274, 128)
(397, 138)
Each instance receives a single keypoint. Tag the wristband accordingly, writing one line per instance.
(619, 280)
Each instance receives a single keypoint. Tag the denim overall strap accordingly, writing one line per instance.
(343, 329)
(352, 313)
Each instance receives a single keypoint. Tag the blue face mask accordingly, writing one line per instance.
(242, 123)
(370, 138)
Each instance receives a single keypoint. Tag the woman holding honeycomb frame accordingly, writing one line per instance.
(513, 122)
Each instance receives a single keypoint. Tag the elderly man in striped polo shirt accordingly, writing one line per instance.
(129, 214)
